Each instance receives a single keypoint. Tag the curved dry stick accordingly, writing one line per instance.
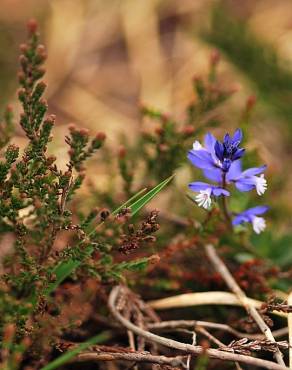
(206, 298)
(235, 288)
(188, 348)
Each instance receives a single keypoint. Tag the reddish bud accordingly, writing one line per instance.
(72, 127)
(23, 48)
(41, 49)
(122, 152)
(51, 118)
(214, 57)
(32, 25)
(84, 132)
(101, 136)
(197, 78)
(109, 233)
(188, 130)
(26, 342)
(250, 103)
(71, 152)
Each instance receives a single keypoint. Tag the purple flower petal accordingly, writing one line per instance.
(258, 210)
(237, 137)
(215, 174)
(198, 186)
(254, 171)
(238, 154)
(243, 186)
(219, 191)
(219, 150)
(237, 220)
(235, 171)
(209, 142)
(201, 159)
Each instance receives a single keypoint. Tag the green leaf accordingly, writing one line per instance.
(61, 271)
(136, 265)
(140, 203)
(129, 201)
(64, 269)
(100, 338)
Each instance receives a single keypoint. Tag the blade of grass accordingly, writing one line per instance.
(100, 338)
(140, 203)
(129, 201)
(64, 269)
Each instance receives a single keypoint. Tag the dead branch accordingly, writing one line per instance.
(184, 347)
(176, 324)
(234, 287)
(131, 356)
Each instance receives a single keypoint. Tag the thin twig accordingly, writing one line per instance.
(194, 342)
(210, 336)
(175, 324)
(131, 356)
(185, 347)
(214, 340)
(234, 287)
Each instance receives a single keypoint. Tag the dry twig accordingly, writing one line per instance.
(175, 324)
(234, 287)
(184, 347)
(131, 356)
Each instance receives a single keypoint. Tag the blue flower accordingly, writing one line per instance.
(251, 216)
(221, 163)
(229, 151)
(215, 155)
(205, 192)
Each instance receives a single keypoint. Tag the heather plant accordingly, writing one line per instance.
(74, 284)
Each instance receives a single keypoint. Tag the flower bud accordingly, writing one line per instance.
(250, 103)
(122, 152)
(32, 26)
(214, 57)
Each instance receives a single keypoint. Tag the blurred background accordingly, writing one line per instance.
(105, 58)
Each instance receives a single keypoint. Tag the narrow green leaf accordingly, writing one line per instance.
(64, 269)
(140, 203)
(129, 201)
(61, 271)
(100, 338)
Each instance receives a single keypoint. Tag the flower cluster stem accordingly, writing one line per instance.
(225, 204)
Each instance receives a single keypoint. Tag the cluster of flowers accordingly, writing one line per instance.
(221, 164)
